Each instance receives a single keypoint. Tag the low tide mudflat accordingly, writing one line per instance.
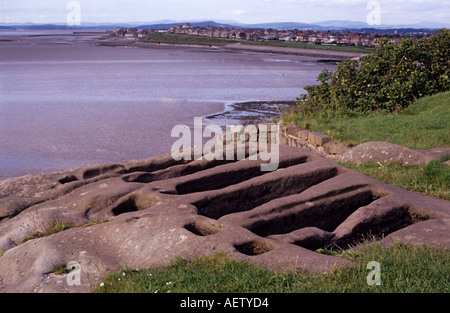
(66, 102)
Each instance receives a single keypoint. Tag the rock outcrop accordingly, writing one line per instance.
(373, 151)
(147, 213)
(385, 152)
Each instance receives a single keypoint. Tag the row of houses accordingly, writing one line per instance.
(313, 37)
(131, 32)
(308, 36)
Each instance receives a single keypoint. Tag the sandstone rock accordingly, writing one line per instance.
(317, 139)
(303, 134)
(436, 153)
(335, 147)
(433, 233)
(156, 210)
(384, 152)
(292, 130)
(311, 238)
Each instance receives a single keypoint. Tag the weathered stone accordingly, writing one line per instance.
(431, 233)
(335, 147)
(436, 153)
(311, 238)
(317, 139)
(299, 143)
(384, 152)
(292, 130)
(156, 210)
(303, 134)
(284, 140)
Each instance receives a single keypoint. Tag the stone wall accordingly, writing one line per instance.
(373, 151)
(293, 135)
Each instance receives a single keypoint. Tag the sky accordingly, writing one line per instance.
(386, 12)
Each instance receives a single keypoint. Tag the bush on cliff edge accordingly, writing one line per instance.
(389, 79)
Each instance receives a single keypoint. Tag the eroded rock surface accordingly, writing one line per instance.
(385, 152)
(156, 210)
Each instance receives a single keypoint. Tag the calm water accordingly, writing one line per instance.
(66, 102)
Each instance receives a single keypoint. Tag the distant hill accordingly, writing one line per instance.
(165, 24)
(195, 24)
(343, 25)
(283, 25)
(56, 26)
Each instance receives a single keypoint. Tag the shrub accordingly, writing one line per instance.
(389, 79)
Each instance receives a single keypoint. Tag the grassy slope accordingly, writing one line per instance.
(403, 269)
(186, 39)
(432, 179)
(301, 45)
(423, 125)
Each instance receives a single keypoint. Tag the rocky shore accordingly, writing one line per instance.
(145, 213)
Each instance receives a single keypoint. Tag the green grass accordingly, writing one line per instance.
(301, 45)
(404, 268)
(60, 270)
(432, 179)
(59, 226)
(164, 37)
(425, 124)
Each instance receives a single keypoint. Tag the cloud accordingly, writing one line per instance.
(247, 11)
(235, 12)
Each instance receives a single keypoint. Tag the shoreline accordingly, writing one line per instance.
(75, 53)
(104, 38)
(295, 51)
(328, 55)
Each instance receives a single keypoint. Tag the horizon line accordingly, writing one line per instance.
(235, 23)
